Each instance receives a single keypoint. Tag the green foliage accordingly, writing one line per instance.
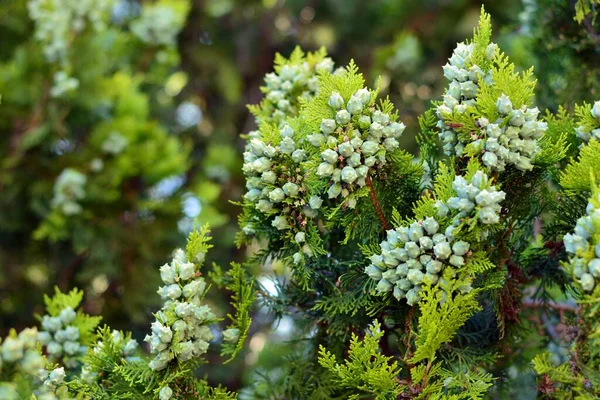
(365, 370)
(443, 312)
(576, 176)
(566, 65)
(476, 320)
(560, 381)
(198, 244)
(242, 298)
(56, 303)
(583, 8)
(86, 324)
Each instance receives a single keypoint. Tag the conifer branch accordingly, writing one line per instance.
(376, 203)
(559, 306)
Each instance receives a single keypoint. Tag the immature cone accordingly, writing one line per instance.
(583, 247)
(356, 140)
(419, 253)
(181, 329)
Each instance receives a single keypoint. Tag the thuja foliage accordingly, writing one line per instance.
(410, 277)
(562, 37)
(107, 363)
(442, 265)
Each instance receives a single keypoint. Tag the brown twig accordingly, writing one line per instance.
(376, 204)
(532, 303)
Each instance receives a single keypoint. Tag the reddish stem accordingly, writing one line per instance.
(531, 303)
(376, 204)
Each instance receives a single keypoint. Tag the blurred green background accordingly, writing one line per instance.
(182, 108)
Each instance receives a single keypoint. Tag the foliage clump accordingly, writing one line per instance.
(474, 245)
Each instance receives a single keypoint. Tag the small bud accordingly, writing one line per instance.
(57, 376)
(490, 159)
(587, 282)
(390, 276)
(51, 324)
(325, 169)
(257, 146)
(336, 101)
(426, 243)
(44, 337)
(163, 333)
(287, 145)
(298, 156)
(300, 237)
(315, 202)
(504, 105)
(130, 347)
(186, 271)
(468, 89)
(364, 96)
(261, 165)
(517, 118)
(488, 215)
(399, 294)
(370, 161)
(71, 333)
(412, 297)
(346, 149)
(474, 73)
(364, 121)
(71, 348)
(450, 72)
(194, 288)
(286, 132)
(53, 348)
(390, 144)
(330, 156)
(67, 315)
(402, 270)
(380, 117)
(297, 258)
(596, 110)
(326, 65)
(490, 51)
(328, 126)
(415, 231)
(12, 349)
(342, 117)
(594, 267)
(264, 206)
(412, 249)
(349, 174)
(442, 250)
(165, 393)
(373, 272)
(280, 223)
(355, 106)
(231, 335)
(269, 177)
(457, 261)
(290, 189)
(316, 139)
(460, 248)
(434, 266)
(384, 286)
(276, 195)
(454, 90)
(334, 190)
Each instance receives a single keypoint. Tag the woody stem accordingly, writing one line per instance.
(376, 204)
